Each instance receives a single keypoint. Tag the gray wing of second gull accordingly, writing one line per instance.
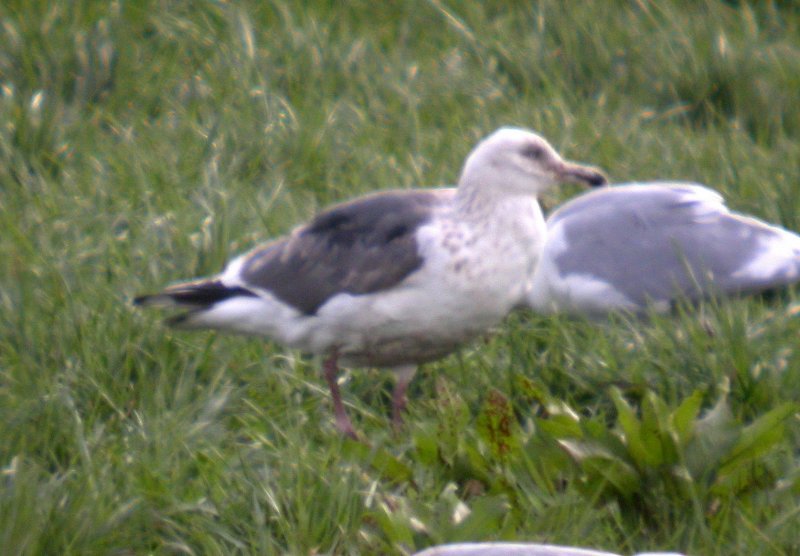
(653, 242)
(362, 246)
(519, 549)
(509, 549)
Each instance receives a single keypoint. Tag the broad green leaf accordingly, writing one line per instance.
(472, 463)
(654, 430)
(683, 418)
(759, 437)
(389, 466)
(427, 449)
(599, 464)
(631, 429)
(560, 426)
(597, 432)
(624, 478)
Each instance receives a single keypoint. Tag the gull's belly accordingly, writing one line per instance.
(411, 324)
(465, 288)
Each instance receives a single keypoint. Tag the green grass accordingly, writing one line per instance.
(145, 142)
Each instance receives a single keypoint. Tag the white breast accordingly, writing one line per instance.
(472, 276)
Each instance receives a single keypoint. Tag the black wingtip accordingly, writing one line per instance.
(193, 294)
(202, 294)
(598, 180)
(140, 300)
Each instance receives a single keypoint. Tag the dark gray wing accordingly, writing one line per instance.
(653, 242)
(358, 247)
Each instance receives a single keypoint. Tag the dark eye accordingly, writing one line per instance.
(533, 151)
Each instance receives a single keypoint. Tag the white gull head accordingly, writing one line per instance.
(515, 161)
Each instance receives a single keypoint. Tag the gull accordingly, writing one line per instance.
(636, 246)
(393, 279)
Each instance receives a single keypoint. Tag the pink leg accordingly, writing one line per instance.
(331, 370)
(404, 376)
